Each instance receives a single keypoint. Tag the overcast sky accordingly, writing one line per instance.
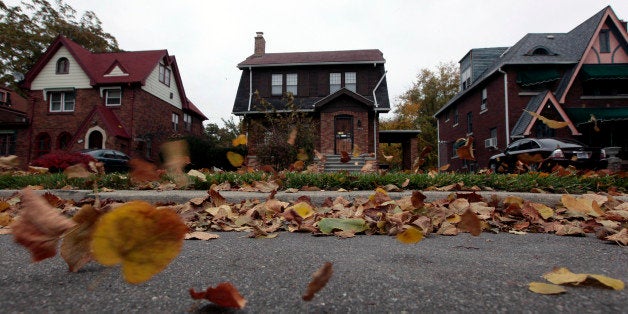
(209, 38)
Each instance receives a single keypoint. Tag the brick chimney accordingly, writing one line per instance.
(260, 44)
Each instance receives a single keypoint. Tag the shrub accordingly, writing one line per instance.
(57, 161)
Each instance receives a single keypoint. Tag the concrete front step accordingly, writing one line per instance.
(333, 163)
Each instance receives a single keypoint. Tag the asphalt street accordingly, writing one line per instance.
(372, 274)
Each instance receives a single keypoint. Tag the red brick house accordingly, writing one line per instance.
(579, 77)
(13, 122)
(129, 101)
(343, 91)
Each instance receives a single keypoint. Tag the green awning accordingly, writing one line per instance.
(533, 77)
(604, 71)
(583, 115)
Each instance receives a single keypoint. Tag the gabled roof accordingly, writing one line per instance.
(566, 49)
(314, 58)
(344, 92)
(137, 64)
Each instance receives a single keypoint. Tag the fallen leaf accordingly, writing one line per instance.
(553, 124)
(9, 162)
(140, 237)
(292, 137)
(303, 209)
(195, 173)
(76, 171)
(344, 157)
(76, 245)
(240, 140)
(201, 235)
(143, 171)
(471, 223)
(619, 237)
(319, 280)
(225, 295)
(562, 275)
(410, 236)
(39, 226)
(327, 225)
(546, 288)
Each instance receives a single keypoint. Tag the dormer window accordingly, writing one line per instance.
(113, 97)
(540, 51)
(63, 66)
(164, 74)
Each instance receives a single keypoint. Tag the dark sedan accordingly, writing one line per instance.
(113, 160)
(542, 154)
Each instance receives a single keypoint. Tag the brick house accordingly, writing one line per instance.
(129, 101)
(343, 91)
(579, 77)
(13, 123)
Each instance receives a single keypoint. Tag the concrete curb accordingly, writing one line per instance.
(317, 197)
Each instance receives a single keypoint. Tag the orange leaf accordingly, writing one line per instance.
(471, 223)
(225, 295)
(142, 171)
(76, 246)
(553, 124)
(141, 237)
(39, 226)
(240, 140)
(235, 159)
(319, 280)
(465, 151)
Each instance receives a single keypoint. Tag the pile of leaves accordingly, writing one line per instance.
(59, 160)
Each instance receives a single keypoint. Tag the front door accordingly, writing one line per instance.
(343, 132)
(95, 140)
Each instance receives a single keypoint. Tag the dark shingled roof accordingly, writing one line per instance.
(565, 48)
(314, 57)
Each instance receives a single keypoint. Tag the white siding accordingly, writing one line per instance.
(161, 90)
(116, 71)
(48, 79)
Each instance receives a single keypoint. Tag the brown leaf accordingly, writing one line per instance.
(142, 171)
(465, 152)
(319, 280)
(201, 235)
(76, 171)
(9, 162)
(225, 295)
(39, 226)
(619, 237)
(292, 137)
(344, 157)
(471, 223)
(76, 245)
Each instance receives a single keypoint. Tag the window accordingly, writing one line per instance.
(446, 115)
(350, 81)
(164, 74)
(63, 66)
(334, 82)
(113, 97)
(484, 97)
(175, 122)
(455, 116)
(7, 143)
(3, 97)
(605, 44)
(493, 132)
(42, 144)
(187, 122)
(465, 79)
(63, 140)
(276, 84)
(469, 122)
(62, 101)
(291, 84)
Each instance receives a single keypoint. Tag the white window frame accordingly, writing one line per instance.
(187, 122)
(484, 100)
(65, 105)
(335, 82)
(175, 122)
(292, 81)
(276, 83)
(351, 81)
(164, 74)
(108, 97)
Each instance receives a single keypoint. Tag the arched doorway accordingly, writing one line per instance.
(95, 140)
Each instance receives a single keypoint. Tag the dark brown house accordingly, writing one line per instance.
(14, 122)
(129, 101)
(343, 91)
(579, 77)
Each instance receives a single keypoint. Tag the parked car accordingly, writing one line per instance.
(542, 154)
(113, 160)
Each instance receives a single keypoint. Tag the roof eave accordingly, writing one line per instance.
(245, 66)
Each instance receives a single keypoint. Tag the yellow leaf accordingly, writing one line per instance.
(563, 275)
(140, 237)
(240, 140)
(544, 211)
(546, 288)
(553, 124)
(235, 159)
(303, 209)
(410, 236)
(616, 284)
